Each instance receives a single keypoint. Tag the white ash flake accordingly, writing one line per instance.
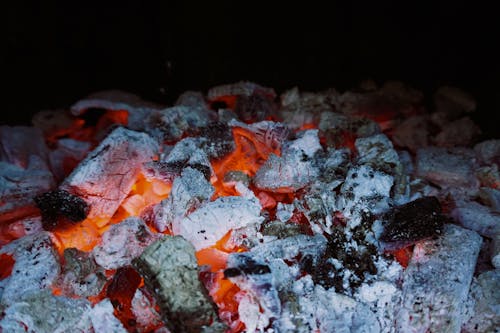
(205, 226)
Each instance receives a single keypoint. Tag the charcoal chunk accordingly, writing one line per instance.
(169, 267)
(60, 207)
(414, 221)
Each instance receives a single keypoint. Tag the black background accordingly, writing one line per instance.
(57, 52)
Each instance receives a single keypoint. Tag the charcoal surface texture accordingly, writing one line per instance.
(414, 221)
(60, 207)
(169, 267)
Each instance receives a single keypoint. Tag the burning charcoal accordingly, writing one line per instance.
(80, 275)
(461, 132)
(477, 217)
(437, 280)
(256, 107)
(453, 101)
(188, 152)
(103, 319)
(489, 176)
(485, 293)
(412, 133)
(216, 140)
(188, 193)
(314, 309)
(255, 278)
(143, 308)
(377, 151)
(232, 177)
(333, 165)
(243, 88)
(169, 267)
(205, 226)
(102, 179)
(18, 187)
(282, 230)
(66, 156)
(191, 99)
(36, 267)
(495, 250)
(60, 208)
(123, 242)
(446, 167)
(488, 152)
(44, 312)
(269, 135)
(412, 222)
(490, 197)
(20, 144)
(294, 169)
(171, 123)
(115, 100)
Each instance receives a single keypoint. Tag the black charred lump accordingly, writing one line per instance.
(414, 221)
(248, 266)
(60, 208)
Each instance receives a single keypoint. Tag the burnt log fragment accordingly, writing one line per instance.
(60, 208)
(169, 267)
(414, 221)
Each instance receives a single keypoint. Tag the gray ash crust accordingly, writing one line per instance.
(60, 209)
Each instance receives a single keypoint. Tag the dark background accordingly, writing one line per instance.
(58, 52)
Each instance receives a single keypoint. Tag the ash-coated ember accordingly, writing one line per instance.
(241, 210)
(59, 207)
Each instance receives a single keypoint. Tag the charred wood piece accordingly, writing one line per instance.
(60, 208)
(414, 221)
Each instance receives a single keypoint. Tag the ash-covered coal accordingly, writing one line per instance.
(59, 207)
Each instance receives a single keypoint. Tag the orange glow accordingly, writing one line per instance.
(212, 257)
(230, 101)
(403, 255)
(83, 236)
(6, 265)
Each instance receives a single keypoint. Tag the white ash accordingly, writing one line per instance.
(495, 250)
(143, 308)
(122, 243)
(171, 123)
(103, 319)
(252, 275)
(490, 197)
(19, 144)
(461, 132)
(474, 216)
(44, 312)
(485, 295)
(365, 189)
(19, 186)
(189, 192)
(205, 226)
(294, 169)
(284, 212)
(36, 267)
(313, 308)
(68, 150)
(189, 152)
(383, 298)
(378, 152)
(436, 282)
(446, 167)
(488, 151)
(106, 176)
